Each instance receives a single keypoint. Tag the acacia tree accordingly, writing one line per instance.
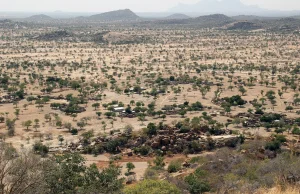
(99, 114)
(21, 172)
(75, 177)
(27, 124)
(242, 90)
(96, 105)
(68, 126)
(203, 92)
(36, 124)
(10, 124)
(130, 166)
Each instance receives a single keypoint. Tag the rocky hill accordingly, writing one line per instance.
(55, 36)
(243, 25)
(39, 18)
(215, 20)
(252, 17)
(282, 24)
(119, 15)
(10, 24)
(207, 21)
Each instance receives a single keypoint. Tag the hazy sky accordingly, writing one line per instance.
(135, 5)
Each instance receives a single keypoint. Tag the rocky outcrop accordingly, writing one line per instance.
(168, 140)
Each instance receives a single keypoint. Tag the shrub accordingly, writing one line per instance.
(184, 129)
(159, 162)
(273, 145)
(280, 138)
(2, 119)
(198, 160)
(269, 118)
(143, 150)
(152, 187)
(74, 131)
(296, 131)
(151, 129)
(235, 100)
(174, 166)
(112, 145)
(196, 185)
(151, 173)
(195, 147)
(41, 149)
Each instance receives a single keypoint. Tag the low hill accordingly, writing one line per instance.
(283, 24)
(10, 24)
(243, 25)
(207, 21)
(39, 18)
(215, 20)
(6, 23)
(252, 17)
(119, 15)
(55, 36)
(296, 17)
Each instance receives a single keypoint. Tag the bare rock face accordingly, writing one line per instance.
(129, 152)
(163, 132)
(155, 145)
(165, 141)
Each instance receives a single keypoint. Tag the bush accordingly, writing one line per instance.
(2, 119)
(98, 150)
(41, 149)
(174, 166)
(273, 145)
(74, 131)
(152, 187)
(269, 118)
(151, 173)
(151, 129)
(196, 185)
(280, 138)
(143, 150)
(198, 160)
(296, 131)
(195, 147)
(112, 145)
(159, 162)
(184, 129)
(235, 100)
(197, 106)
(259, 112)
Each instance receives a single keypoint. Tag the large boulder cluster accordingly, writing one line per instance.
(170, 140)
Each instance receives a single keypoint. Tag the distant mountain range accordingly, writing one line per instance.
(221, 21)
(216, 6)
(181, 11)
(229, 7)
